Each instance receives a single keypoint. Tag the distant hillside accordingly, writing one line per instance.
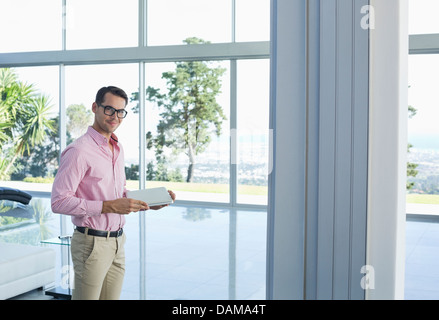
(427, 180)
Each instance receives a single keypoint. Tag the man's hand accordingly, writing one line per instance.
(127, 205)
(172, 194)
(124, 206)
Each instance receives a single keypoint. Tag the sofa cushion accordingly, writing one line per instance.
(19, 261)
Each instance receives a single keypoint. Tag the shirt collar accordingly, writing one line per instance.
(99, 138)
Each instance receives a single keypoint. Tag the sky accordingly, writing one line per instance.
(423, 92)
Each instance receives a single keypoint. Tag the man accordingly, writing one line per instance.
(90, 187)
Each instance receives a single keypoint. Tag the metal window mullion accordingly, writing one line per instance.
(62, 110)
(233, 174)
(142, 146)
(62, 130)
(233, 183)
(424, 43)
(64, 25)
(214, 51)
(233, 20)
(142, 23)
(142, 182)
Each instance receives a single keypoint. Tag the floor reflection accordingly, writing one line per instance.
(27, 224)
(185, 252)
(202, 253)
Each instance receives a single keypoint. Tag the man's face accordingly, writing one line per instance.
(105, 123)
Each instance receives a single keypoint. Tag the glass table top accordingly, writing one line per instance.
(61, 240)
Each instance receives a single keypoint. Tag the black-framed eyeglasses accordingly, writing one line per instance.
(109, 111)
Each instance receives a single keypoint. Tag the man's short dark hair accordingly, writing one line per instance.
(113, 90)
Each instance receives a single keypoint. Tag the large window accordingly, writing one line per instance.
(172, 21)
(252, 20)
(80, 94)
(101, 24)
(423, 17)
(423, 137)
(423, 133)
(253, 136)
(423, 148)
(187, 127)
(29, 25)
(216, 151)
(29, 146)
(196, 73)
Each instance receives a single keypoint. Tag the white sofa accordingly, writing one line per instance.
(24, 268)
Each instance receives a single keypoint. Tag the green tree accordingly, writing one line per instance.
(24, 119)
(411, 167)
(42, 161)
(78, 119)
(190, 113)
(132, 172)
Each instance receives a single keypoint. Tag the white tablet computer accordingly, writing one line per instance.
(152, 196)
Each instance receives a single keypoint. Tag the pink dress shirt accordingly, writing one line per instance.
(89, 174)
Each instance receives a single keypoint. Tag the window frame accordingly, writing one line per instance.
(143, 54)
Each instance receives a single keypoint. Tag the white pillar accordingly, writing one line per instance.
(388, 148)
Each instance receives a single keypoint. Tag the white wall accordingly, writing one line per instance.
(388, 148)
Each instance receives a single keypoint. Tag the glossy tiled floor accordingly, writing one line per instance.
(422, 259)
(197, 253)
(189, 252)
(211, 253)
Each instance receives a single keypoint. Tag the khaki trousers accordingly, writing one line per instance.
(99, 266)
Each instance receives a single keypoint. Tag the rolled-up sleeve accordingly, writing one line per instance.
(64, 200)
